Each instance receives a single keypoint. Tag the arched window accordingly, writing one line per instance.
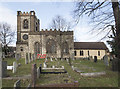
(65, 48)
(25, 24)
(37, 48)
(51, 46)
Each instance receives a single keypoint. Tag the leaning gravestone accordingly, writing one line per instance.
(51, 59)
(26, 58)
(34, 74)
(106, 60)
(38, 72)
(14, 67)
(44, 65)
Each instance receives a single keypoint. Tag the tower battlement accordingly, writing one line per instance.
(56, 31)
(26, 13)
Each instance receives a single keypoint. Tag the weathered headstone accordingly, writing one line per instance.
(67, 59)
(51, 59)
(56, 59)
(4, 68)
(14, 67)
(44, 65)
(53, 66)
(17, 56)
(29, 57)
(38, 72)
(95, 58)
(34, 74)
(106, 60)
(26, 58)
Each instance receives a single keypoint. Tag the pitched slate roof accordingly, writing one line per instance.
(90, 45)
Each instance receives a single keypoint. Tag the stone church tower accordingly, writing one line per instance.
(31, 40)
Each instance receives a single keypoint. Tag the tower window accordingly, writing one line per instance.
(25, 24)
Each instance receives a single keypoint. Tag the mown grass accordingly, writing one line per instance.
(108, 80)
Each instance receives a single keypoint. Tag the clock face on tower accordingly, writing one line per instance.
(25, 36)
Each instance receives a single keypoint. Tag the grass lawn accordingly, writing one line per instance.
(108, 80)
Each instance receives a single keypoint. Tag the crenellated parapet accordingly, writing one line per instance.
(55, 32)
(26, 13)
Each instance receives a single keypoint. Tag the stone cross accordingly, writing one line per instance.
(14, 67)
(26, 58)
(34, 74)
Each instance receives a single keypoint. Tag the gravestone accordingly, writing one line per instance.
(29, 56)
(106, 60)
(17, 56)
(44, 65)
(51, 59)
(4, 68)
(53, 66)
(34, 75)
(26, 58)
(95, 59)
(67, 59)
(14, 67)
(38, 72)
(56, 59)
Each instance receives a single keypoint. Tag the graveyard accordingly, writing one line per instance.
(86, 73)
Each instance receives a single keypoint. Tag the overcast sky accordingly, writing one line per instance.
(46, 11)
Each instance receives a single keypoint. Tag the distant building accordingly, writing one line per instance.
(86, 49)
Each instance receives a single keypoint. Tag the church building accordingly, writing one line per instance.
(30, 39)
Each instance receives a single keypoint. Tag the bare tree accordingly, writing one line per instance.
(103, 15)
(60, 23)
(6, 35)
